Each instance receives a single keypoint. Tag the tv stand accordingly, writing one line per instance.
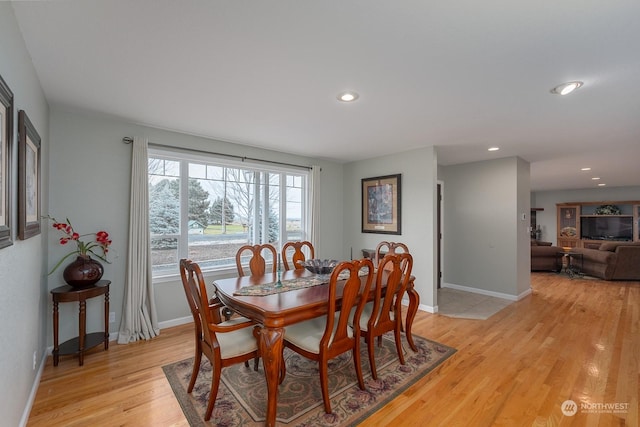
(609, 227)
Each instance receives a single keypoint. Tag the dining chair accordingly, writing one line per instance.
(384, 313)
(224, 343)
(298, 254)
(391, 248)
(326, 337)
(257, 262)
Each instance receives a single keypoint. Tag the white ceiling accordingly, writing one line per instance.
(459, 75)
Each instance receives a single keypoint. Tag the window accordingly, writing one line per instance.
(205, 209)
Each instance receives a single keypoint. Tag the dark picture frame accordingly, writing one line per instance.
(29, 178)
(381, 204)
(6, 148)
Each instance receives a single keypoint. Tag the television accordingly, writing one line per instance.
(606, 228)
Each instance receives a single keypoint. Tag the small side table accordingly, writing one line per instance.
(573, 267)
(566, 261)
(83, 341)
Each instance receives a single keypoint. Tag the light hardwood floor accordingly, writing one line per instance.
(571, 339)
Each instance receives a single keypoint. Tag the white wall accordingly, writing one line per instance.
(24, 295)
(94, 194)
(485, 239)
(523, 222)
(548, 199)
(419, 170)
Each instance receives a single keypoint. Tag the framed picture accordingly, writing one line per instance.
(6, 136)
(29, 178)
(381, 204)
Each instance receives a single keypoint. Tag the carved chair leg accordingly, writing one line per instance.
(215, 383)
(399, 345)
(324, 385)
(283, 368)
(358, 365)
(372, 360)
(194, 372)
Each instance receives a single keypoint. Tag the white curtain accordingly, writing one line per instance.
(314, 205)
(139, 318)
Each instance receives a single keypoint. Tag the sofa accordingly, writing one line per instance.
(544, 256)
(612, 261)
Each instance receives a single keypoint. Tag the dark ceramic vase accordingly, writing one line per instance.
(84, 271)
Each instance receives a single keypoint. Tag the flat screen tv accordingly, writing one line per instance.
(606, 228)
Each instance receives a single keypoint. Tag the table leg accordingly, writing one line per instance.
(56, 348)
(271, 341)
(82, 320)
(414, 301)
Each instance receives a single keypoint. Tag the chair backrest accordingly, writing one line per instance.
(298, 254)
(337, 337)
(194, 303)
(394, 273)
(257, 262)
(196, 290)
(384, 248)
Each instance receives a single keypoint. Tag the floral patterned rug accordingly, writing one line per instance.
(241, 398)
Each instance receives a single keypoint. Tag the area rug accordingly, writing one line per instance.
(572, 275)
(241, 399)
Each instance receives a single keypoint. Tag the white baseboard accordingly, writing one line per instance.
(34, 389)
(421, 307)
(486, 292)
(428, 308)
(524, 294)
(175, 322)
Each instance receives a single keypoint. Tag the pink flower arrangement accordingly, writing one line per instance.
(100, 244)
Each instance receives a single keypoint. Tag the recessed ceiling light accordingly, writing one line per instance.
(585, 169)
(348, 96)
(566, 88)
(601, 185)
(493, 149)
(595, 178)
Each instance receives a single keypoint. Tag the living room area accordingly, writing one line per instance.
(595, 234)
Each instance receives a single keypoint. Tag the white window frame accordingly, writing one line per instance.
(184, 157)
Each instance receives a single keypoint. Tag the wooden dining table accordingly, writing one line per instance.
(274, 312)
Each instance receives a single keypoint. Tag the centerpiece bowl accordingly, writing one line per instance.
(320, 266)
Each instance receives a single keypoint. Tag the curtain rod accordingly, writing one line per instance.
(129, 140)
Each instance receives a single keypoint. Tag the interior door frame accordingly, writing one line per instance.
(439, 220)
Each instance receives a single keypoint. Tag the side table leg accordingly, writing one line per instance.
(56, 348)
(106, 320)
(83, 326)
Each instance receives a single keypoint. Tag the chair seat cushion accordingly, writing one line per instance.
(366, 314)
(236, 343)
(307, 334)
